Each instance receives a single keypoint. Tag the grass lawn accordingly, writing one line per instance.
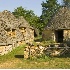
(15, 60)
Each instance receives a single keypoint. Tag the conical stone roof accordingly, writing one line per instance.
(9, 21)
(23, 22)
(61, 20)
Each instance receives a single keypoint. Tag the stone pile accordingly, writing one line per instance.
(32, 51)
(13, 32)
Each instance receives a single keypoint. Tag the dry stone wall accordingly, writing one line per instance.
(67, 37)
(13, 32)
(32, 51)
(55, 49)
(48, 35)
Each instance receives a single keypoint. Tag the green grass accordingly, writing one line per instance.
(15, 60)
(43, 42)
(11, 55)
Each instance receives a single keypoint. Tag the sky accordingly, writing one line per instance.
(34, 5)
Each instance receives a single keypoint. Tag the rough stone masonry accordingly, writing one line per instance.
(13, 32)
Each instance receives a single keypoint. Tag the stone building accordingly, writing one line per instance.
(58, 29)
(13, 32)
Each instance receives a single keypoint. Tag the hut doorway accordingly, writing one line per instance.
(59, 36)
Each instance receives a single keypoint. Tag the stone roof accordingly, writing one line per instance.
(23, 22)
(61, 20)
(9, 21)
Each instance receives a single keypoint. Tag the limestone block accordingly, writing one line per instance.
(36, 48)
(6, 48)
(22, 30)
(56, 45)
(55, 53)
(1, 49)
(5, 52)
(26, 54)
(10, 48)
(21, 42)
(27, 49)
(32, 50)
(2, 53)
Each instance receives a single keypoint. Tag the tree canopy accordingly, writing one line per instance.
(48, 10)
(28, 15)
(66, 3)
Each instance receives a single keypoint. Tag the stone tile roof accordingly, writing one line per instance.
(61, 20)
(9, 21)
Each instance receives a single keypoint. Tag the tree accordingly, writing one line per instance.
(29, 16)
(48, 10)
(66, 3)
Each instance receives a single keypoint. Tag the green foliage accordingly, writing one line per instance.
(46, 43)
(29, 15)
(10, 62)
(66, 3)
(11, 55)
(48, 10)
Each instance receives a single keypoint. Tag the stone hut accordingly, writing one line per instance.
(13, 32)
(58, 29)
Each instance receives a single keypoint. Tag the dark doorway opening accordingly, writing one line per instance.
(35, 35)
(59, 36)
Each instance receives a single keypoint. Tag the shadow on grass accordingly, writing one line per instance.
(19, 56)
(64, 56)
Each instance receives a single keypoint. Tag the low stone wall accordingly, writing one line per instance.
(5, 49)
(32, 51)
